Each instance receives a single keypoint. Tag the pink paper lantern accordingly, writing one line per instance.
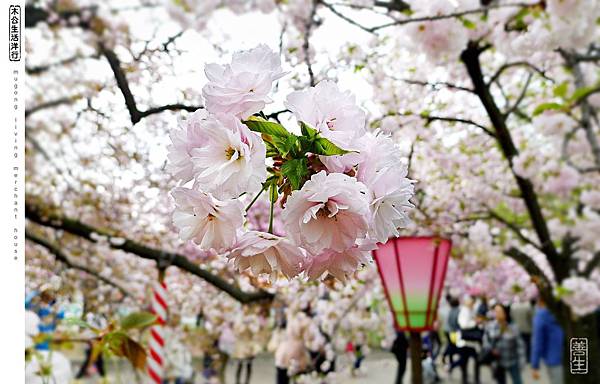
(413, 270)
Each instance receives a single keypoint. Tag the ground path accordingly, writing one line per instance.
(380, 368)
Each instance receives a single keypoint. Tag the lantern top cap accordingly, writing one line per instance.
(423, 237)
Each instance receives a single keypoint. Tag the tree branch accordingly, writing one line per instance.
(436, 85)
(449, 15)
(275, 115)
(393, 5)
(35, 14)
(123, 85)
(63, 258)
(37, 70)
(515, 106)
(49, 104)
(537, 275)
(306, 44)
(587, 111)
(450, 119)
(592, 265)
(514, 228)
(470, 57)
(75, 227)
(507, 66)
(346, 18)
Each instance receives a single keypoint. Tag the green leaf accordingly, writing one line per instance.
(516, 288)
(306, 144)
(286, 144)
(547, 106)
(296, 171)
(138, 320)
(78, 322)
(583, 92)
(183, 4)
(272, 150)
(468, 23)
(114, 340)
(561, 90)
(508, 215)
(322, 146)
(308, 131)
(560, 292)
(519, 20)
(407, 11)
(258, 124)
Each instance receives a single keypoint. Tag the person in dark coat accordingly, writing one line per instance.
(452, 327)
(400, 350)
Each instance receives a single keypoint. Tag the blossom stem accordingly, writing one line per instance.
(271, 217)
(256, 197)
(272, 199)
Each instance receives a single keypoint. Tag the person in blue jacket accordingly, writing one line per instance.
(547, 340)
(43, 304)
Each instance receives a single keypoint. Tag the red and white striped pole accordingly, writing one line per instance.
(156, 357)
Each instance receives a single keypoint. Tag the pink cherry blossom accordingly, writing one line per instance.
(583, 295)
(390, 192)
(231, 161)
(180, 12)
(563, 183)
(339, 264)
(210, 223)
(331, 112)
(330, 211)
(377, 153)
(188, 136)
(242, 87)
(382, 171)
(440, 40)
(591, 198)
(553, 123)
(266, 253)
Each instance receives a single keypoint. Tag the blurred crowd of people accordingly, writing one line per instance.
(481, 334)
(472, 333)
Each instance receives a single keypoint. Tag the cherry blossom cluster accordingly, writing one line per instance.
(342, 189)
(527, 30)
(582, 295)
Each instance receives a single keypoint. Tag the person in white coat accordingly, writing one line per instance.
(470, 336)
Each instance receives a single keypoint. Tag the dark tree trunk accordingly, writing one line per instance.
(584, 327)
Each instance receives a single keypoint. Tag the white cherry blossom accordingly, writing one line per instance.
(231, 161)
(242, 87)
